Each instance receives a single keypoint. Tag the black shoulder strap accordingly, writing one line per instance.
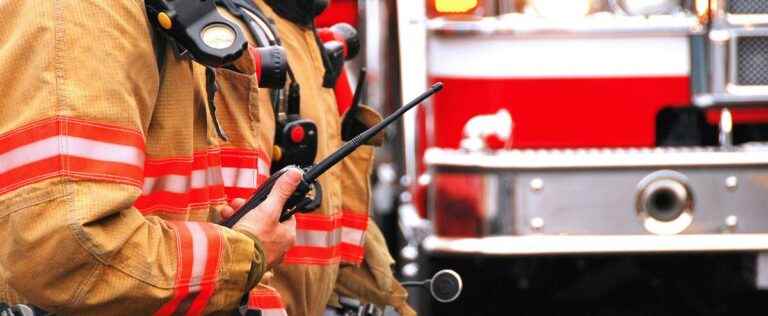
(161, 43)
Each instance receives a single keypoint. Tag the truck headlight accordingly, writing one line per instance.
(455, 6)
(648, 7)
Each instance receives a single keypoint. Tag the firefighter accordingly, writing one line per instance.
(111, 169)
(339, 253)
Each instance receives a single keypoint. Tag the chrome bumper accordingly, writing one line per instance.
(592, 202)
(617, 244)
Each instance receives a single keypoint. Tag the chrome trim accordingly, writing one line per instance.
(721, 18)
(602, 244)
(717, 11)
(618, 6)
(723, 73)
(524, 25)
(718, 40)
(725, 133)
(411, 17)
(647, 209)
(747, 19)
(453, 275)
(720, 99)
(756, 154)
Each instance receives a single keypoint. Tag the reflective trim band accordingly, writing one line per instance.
(240, 177)
(243, 171)
(274, 312)
(352, 236)
(354, 219)
(312, 255)
(266, 300)
(61, 146)
(199, 247)
(328, 239)
(316, 238)
(173, 183)
(179, 183)
(353, 229)
(97, 150)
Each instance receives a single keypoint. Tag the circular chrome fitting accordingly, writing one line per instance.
(410, 269)
(731, 223)
(537, 223)
(537, 184)
(446, 286)
(218, 36)
(665, 202)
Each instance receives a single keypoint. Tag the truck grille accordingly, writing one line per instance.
(747, 7)
(752, 60)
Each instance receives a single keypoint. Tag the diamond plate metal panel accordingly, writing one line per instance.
(752, 60)
(747, 7)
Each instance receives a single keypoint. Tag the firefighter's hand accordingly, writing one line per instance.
(263, 222)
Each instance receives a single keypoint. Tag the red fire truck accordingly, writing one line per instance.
(585, 147)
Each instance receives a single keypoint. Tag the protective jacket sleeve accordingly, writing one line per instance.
(80, 81)
(373, 280)
(366, 271)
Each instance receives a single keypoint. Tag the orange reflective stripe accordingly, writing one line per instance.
(183, 269)
(322, 240)
(250, 168)
(266, 300)
(351, 254)
(61, 146)
(211, 257)
(178, 183)
(29, 134)
(308, 251)
(353, 229)
(102, 132)
(175, 184)
(318, 222)
(198, 258)
(312, 255)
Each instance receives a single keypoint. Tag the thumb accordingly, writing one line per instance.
(282, 190)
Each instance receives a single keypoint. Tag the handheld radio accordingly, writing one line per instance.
(298, 200)
(295, 137)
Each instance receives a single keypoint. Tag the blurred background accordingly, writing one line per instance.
(588, 157)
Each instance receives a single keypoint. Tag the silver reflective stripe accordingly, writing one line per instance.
(199, 255)
(263, 167)
(317, 238)
(98, 150)
(352, 236)
(172, 183)
(274, 312)
(73, 146)
(214, 175)
(239, 177)
(197, 179)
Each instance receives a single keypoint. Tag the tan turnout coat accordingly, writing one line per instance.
(111, 172)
